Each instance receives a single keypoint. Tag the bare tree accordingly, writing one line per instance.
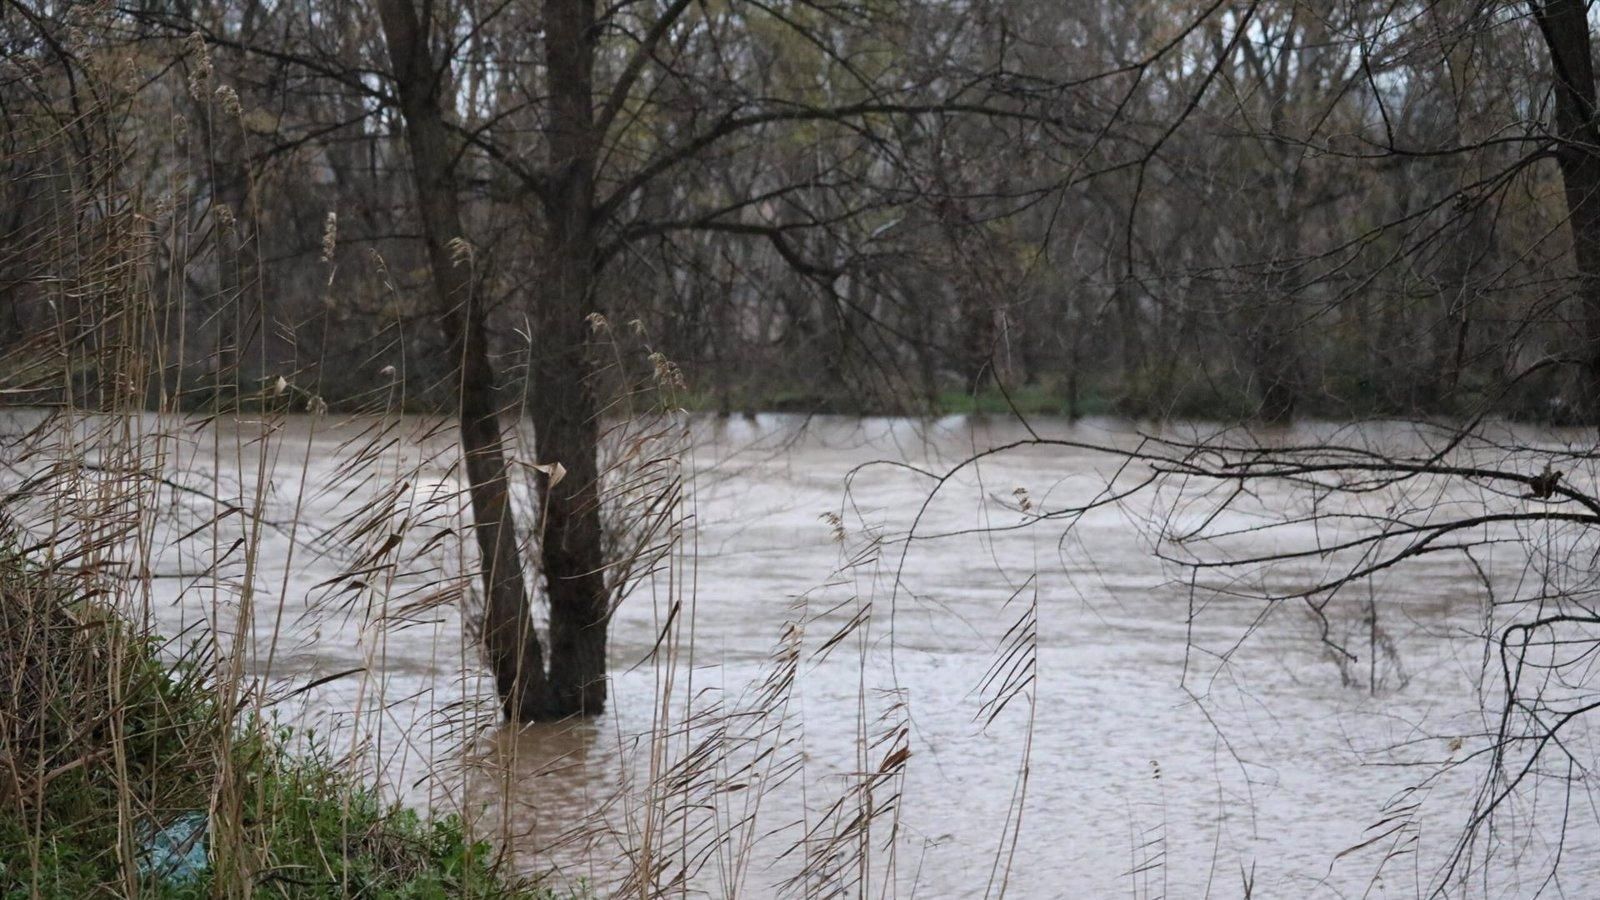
(514, 652)
(1564, 25)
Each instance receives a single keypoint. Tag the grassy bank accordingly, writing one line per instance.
(105, 750)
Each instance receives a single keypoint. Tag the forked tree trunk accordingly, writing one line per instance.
(508, 631)
(1565, 27)
(565, 414)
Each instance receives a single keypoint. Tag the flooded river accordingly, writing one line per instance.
(1157, 741)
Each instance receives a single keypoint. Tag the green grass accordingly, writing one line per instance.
(101, 742)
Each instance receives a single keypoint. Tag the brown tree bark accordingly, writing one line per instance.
(565, 413)
(508, 632)
(1565, 27)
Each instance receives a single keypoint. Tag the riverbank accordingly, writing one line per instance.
(1193, 395)
(122, 775)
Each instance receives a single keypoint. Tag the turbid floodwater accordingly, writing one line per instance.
(1162, 740)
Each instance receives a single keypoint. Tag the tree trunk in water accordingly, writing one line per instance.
(565, 414)
(1565, 27)
(508, 632)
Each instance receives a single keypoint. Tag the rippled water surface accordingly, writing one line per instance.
(1170, 743)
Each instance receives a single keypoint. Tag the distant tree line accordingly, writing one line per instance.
(1274, 208)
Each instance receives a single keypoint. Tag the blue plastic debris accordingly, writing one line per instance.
(177, 852)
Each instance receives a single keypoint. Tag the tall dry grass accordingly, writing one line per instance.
(205, 571)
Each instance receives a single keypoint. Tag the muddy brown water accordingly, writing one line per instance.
(1174, 743)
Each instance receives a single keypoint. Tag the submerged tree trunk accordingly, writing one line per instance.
(508, 632)
(1565, 27)
(565, 414)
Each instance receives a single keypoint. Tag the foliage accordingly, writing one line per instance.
(101, 741)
